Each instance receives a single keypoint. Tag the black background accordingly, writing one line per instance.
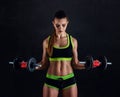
(25, 23)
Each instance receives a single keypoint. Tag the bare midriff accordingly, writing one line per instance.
(60, 68)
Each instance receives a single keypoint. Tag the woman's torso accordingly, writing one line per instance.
(60, 61)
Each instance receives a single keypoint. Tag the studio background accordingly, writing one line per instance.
(24, 24)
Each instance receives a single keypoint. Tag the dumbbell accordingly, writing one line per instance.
(19, 64)
(101, 61)
(89, 61)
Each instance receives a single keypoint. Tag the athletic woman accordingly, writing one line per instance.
(60, 50)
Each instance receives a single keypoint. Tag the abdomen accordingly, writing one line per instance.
(60, 68)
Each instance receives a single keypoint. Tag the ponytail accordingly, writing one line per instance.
(50, 44)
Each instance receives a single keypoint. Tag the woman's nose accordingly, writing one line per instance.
(60, 27)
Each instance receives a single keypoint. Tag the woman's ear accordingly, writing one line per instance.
(53, 22)
(67, 22)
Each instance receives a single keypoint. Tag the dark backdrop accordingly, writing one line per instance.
(25, 23)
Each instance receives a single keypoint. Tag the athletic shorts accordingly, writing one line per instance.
(60, 82)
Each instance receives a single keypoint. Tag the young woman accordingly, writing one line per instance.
(60, 50)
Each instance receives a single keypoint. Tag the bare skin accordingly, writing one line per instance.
(60, 68)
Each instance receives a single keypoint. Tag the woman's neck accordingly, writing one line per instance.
(61, 35)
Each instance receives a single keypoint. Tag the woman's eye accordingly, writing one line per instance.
(57, 26)
(63, 25)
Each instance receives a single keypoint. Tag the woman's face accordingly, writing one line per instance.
(60, 25)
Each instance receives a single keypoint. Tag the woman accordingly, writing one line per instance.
(60, 50)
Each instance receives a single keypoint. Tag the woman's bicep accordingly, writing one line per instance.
(76, 63)
(44, 61)
(75, 52)
(44, 54)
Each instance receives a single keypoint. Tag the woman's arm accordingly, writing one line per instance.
(76, 63)
(44, 62)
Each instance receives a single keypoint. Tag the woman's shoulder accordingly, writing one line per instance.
(73, 38)
(46, 41)
(73, 41)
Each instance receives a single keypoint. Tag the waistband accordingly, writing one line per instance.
(60, 59)
(55, 77)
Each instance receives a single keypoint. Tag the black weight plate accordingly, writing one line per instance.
(31, 64)
(89, 62)
(16, 65)
(103, 61)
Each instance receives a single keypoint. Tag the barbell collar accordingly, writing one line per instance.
(11, 63)
(109, 63)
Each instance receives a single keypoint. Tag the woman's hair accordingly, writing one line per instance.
(59, 15)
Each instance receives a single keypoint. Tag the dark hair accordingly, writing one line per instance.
(60, 14)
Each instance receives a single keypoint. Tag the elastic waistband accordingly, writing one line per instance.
(55, 77)
(60, 59)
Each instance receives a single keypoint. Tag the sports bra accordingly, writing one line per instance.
(63, 53)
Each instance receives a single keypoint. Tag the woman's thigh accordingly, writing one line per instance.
(70, 92)
(49, 92)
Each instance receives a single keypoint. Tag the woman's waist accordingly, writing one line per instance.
(56, 77)
(59, 70)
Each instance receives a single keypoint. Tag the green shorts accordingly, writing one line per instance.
(60, 82)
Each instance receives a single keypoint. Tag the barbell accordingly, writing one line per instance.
(30, 65)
